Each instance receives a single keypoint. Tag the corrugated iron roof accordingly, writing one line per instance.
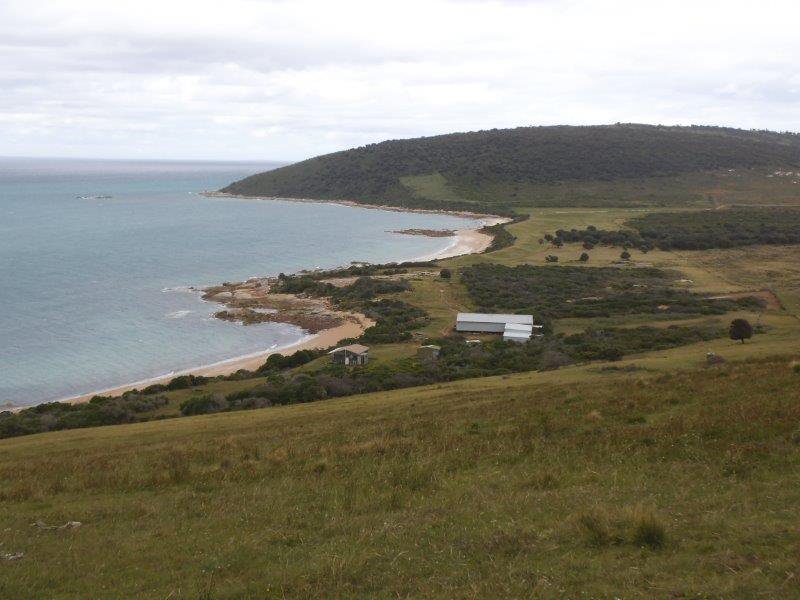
(495, 318)
(354, 348)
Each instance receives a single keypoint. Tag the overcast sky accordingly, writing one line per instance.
(288, 79)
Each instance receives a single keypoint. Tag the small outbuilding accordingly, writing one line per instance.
(428, 353)
(515, 332)
(354, 354)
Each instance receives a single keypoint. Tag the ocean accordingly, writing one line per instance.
(97, 259)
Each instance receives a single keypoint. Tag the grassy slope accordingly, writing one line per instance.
(474, 489)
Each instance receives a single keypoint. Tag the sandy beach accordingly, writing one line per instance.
(465, 241)
(468, 241)
(324, 339)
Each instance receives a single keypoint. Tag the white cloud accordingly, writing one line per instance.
(289, 79)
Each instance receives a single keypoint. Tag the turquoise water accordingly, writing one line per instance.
(94, 290)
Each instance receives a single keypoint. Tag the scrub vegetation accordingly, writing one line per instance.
(559, 292)
(696, 230)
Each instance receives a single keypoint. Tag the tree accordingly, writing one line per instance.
(741, 330)
(584, 257)
(625, 255)
(445, 274)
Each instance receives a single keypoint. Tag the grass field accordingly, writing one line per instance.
(563, 484)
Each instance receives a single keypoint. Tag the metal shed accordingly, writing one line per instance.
(514, 332)
(489, 323)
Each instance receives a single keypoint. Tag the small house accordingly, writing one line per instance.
(428, 353)
(354, 354)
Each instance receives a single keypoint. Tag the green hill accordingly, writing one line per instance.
(499, 167)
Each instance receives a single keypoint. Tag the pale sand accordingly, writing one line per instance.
(467, 241)
(320, 341)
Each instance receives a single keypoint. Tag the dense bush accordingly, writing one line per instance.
(697, 230)
(100, 410)
(501, 236)
(280, 362)
(614, 343)
(363, 288)
(559, 292)
(719, 228)
(181, 382)
(457, 360)
(591, 237)
(394, 321)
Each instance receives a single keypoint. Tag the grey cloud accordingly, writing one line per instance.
(285, 80)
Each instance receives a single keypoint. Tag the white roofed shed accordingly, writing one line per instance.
(515, 332)
(489, 323)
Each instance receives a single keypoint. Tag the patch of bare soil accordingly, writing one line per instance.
(770, 300)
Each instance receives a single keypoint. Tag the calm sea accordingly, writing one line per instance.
(96, 258)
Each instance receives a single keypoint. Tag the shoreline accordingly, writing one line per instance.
(354, 204)
(464, 242)
(318, 341)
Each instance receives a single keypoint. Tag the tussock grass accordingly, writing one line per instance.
(687, 485)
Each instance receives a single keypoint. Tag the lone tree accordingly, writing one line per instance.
(741, 330)
(445, 274)
(584, 257)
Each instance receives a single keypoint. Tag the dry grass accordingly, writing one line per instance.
(476, 489)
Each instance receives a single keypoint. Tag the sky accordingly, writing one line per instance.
(290, 79)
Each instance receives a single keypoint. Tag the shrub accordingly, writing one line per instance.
(625, 255)
(445, 274)
(551, 258)
(201, 405)
(649, 532)
(584, 257)
(741, 329)
(100, 410)
(594, 530)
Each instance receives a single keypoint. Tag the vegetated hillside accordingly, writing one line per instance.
(446, 170)
(618, 483)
